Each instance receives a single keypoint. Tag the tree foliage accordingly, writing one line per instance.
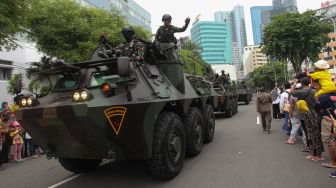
(264, 76)
(64, 29)
(12, 18)
(295, 37)
(12, 81)
(195, 65)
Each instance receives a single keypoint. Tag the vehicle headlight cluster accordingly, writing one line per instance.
(28, 101)
(82, 95)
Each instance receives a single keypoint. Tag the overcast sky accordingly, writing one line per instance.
(180, 9)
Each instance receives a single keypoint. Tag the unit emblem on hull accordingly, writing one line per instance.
(115, 116)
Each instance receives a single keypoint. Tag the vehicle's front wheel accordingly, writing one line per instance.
(168, 150)
(79, 165)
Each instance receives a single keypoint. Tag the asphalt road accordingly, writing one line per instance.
(241, 156)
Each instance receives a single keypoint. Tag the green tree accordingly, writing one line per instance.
(12, 81)
(295, 37)
(195, 65)
(64, 29)
(267, 75)
(12, 19)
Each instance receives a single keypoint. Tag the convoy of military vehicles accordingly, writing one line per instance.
(132, 103)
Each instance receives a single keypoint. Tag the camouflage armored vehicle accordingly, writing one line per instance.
(133, 103)
(227, 94)
(244, 93)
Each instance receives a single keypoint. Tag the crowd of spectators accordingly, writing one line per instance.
(307, 106)
(15, 143)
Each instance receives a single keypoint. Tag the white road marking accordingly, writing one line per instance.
(66, 180)
(76, 176)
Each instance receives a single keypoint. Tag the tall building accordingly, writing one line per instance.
(215, 40)
(135, 14)
(280, 6)
(253, 58)
(236, 19)
(265, 20)
(260, 16)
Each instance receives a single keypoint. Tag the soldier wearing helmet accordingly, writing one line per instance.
(165, 34)
(127, 33)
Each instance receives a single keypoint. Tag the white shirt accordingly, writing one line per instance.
(277, 100)
(27, 136)
(284, 98)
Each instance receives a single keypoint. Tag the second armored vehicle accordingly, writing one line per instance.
(244, 93)
(227, 95)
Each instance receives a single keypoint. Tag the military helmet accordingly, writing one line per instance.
(166, 17)
(127, 31)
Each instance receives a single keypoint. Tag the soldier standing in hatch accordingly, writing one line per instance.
(224, 77)
(165, 34)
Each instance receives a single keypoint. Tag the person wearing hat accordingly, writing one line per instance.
(324, 78)
(165, 34)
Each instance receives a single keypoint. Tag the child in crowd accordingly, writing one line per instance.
(324, 78)
(15, 132)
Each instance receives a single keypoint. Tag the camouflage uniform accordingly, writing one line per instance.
(165, 34)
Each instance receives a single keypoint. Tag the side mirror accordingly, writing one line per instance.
(124, 69)
(18, 86)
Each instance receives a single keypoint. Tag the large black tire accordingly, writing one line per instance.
(168, 150)
(79, 165)
(209, 123)
(194, 133)
(233, 106)
(247, 100)
(236, 105)
(229, 110)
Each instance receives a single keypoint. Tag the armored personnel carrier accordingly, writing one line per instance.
(244, 93)
(227, 95)
(132, 103)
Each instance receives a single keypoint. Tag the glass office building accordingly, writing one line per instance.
(280, 6)
(135, 14)
(236, 21)
(215, 40)
(258, 14)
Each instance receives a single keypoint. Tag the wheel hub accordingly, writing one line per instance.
(198, 132)
(174, 146)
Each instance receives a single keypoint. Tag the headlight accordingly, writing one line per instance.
(76, 96)
(81, 95)
(84, 95)
(29, 101)
(24, 102)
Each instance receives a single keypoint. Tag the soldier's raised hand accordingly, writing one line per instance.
(187, 20)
